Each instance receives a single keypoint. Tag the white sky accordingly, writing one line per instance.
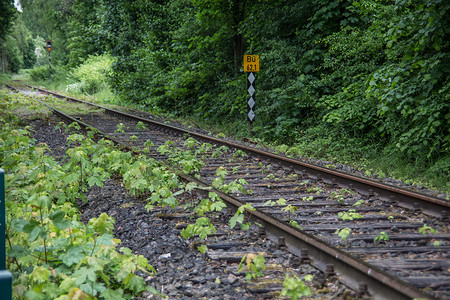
(17, 5)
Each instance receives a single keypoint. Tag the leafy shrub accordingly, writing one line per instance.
(51, 253)
(90, 77)
(39, 73)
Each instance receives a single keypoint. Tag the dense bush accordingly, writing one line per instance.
(39, 73)
(371, 70)
(90, 77)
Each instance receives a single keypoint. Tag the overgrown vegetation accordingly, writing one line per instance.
(358, 82)
(52, 254)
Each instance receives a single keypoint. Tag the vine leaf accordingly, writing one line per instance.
(73, 256)
(134, 283)
(237, 218)
(84, 275)
(58, 220)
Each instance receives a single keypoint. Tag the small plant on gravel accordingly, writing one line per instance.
(120, 128)
(381, 237)
(295, 288)
(191, 143)
(343, 233)
(256, 265)
(140, 126)
(133, 138)
(202, 249)
(270, 176)
(213, 203)
(235, 186)
(185, 160)
(295, 224)
(148, 143)
(279, 202)
(239, 216)
(239, 154)
(202, 227)
(290, 209)
(426, 229)
(308, 199)
(315, 189)
(219, 152)
(359, 202)
(349, 215)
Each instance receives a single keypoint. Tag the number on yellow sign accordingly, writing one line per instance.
(251, 63)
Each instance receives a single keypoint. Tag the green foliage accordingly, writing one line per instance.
(338, 79)
(238, 217)
(185, 160)
(256, 265)
(343, 233)
(280, 202)
(202, 227)
(90, 76)
(426, 229)
(349, 215)
(52, 254)
(381, 237)
(296, 288)
(7, 15)
(361, 74)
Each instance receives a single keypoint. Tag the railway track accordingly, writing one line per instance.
(382, 240)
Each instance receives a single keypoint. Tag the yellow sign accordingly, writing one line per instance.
(251, 63)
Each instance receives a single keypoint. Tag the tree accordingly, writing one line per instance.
(7, 15)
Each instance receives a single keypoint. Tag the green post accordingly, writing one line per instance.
(5, 276)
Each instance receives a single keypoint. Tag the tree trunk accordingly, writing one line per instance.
(238, 52)
(238, 11)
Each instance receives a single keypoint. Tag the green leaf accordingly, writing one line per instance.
(71, 177)
(84, 275)
(190, 186)
(17, 251)
(58, 220)
(112, 294)
(105, 239)
(95, 180)
(126, 251)
(20, 225)
(103, 224)
(217, 206)
(73, 256)
(40, 275)
(34, 295)
(237, 218)
(37, 232)
(202, 249)
(44, 202)
(134, 283)
(93, 288)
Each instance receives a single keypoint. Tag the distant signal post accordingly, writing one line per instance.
(48, 46)
(251, 66)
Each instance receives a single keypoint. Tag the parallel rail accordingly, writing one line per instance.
(353, 270)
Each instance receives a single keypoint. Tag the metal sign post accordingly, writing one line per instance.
(251, 65)
(5, 276)
(48, 45)
(251, 81)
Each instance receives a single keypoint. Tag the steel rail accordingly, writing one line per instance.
(405, 198)
(353, 271)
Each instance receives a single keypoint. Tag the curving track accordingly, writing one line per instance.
(411, 258)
